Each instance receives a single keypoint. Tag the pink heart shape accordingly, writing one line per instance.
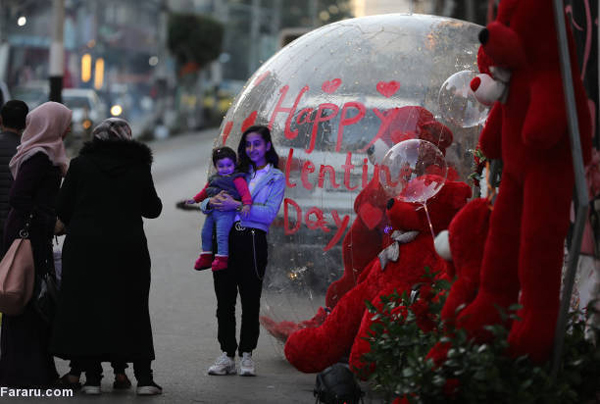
(249, 121)
(227, 131)
(260, 78)
(330, 86)
(388, 89)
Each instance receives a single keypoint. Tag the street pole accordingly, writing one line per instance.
(57, 50)
(161, 68)
(313, 7)
(254, 37)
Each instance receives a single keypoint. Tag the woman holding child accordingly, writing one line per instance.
(247, 250)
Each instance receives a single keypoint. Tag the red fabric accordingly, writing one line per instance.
(242, 187)
(468, 232)
(524, 249)
(467, 235)
(313, 349)
(201, 195)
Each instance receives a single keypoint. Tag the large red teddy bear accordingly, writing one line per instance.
(524, 250)
(314, 349)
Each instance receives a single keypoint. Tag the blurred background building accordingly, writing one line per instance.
(137, 58)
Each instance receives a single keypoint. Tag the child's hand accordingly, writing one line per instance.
(245, 211)
(190, 202)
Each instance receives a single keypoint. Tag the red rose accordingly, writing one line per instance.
(451, 387)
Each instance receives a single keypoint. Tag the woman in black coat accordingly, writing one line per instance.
(37, 167)
(103, 306)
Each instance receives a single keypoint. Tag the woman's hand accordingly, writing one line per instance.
(223, 202)
(59, 228)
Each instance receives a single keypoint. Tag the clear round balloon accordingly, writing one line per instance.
(457, 101)
(413, 170)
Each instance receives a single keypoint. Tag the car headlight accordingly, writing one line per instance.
(116, 110)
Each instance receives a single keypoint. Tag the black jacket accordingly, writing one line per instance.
(8, 148)
(103, 304)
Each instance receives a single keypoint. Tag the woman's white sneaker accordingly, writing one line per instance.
(247, 365)
(148, 389)
(224, 365)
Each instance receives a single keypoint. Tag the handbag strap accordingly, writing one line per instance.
(24, 232)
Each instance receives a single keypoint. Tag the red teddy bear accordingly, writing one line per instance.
(524, 250)
(313, 349)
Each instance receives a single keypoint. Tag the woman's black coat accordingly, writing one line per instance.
(24, 357)
(103, 304)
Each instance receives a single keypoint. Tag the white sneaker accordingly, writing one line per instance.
(247, 365)
(91, 390)
(224, 365)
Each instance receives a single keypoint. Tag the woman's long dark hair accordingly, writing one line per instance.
(271, 155)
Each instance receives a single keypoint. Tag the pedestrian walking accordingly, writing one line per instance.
(12, 123)
(102, 312)
(247, 250)
(38, 166)
(234, 183)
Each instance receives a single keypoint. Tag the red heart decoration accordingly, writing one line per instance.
(388, 89)
(370, 215)
(330, 86)
(249, 121)
(227, 131)
(260, 78)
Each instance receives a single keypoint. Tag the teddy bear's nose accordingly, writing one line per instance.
(484, 35)
(390, 203)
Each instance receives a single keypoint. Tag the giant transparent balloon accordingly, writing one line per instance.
(336, 100)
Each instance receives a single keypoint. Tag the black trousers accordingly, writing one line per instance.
(244, 274)
(92, 366)
(76, 368)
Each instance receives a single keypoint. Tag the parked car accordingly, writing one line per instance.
(33, 93)
(88, 110)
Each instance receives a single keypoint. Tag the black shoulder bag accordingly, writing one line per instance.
(45, 294)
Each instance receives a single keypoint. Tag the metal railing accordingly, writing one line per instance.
(581, 197)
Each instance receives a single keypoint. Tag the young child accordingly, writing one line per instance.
(233, 182)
